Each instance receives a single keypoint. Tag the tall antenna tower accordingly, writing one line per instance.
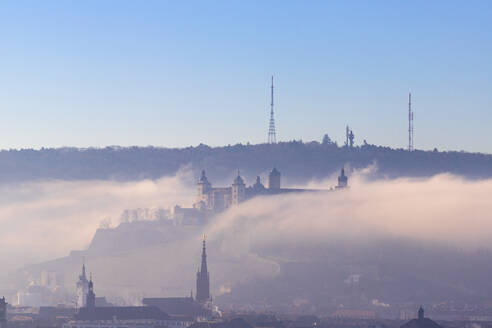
(349, 137)
(410, 123)
(272, 138)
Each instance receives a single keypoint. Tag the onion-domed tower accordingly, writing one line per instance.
(204, 187)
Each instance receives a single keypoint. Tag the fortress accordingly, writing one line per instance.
(211, 200)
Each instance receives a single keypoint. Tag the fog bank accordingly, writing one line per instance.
(250, 242)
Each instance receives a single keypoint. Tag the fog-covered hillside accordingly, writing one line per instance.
(153, 258)
(297, 160)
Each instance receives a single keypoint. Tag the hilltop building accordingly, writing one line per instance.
(212, 200)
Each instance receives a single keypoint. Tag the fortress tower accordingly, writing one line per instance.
(204, 188)
(274, 179)
(342, 180)
(238, 190)
(202, 278)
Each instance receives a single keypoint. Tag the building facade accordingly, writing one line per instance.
(125, 317)
(216, 199)
(93, 316)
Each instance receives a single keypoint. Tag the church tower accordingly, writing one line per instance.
(3, 313)
(91, 297)
(202, 278)
(421, 313)
(82, 289)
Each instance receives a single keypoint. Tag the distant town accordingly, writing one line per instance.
(195, 310)
(199, 310)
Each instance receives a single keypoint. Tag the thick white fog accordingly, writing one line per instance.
(445, 209)
(45, 220)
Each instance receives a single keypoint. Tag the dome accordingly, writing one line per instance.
(258, 184)
(203, 178)
(421, 322)
(238, 180)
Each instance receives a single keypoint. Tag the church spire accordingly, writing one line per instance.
(202, 277)
(204, 257)
(91, 296)
(83, 276)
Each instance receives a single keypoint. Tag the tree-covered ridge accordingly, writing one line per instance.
(297, 160)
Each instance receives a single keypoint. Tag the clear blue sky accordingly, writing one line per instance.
(177, 73)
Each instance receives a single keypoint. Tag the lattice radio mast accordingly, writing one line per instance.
(272, 138)
(410, 123)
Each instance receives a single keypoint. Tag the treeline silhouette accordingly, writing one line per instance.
(298, 161)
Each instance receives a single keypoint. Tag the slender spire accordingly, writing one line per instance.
(204, 257)
(410, 123)
(91, 296)
(91, 284)
(202, 277)
(272, 138)
(83, 276)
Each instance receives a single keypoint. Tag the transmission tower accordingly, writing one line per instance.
(272, 138)
(410, 123)
(349, 137)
